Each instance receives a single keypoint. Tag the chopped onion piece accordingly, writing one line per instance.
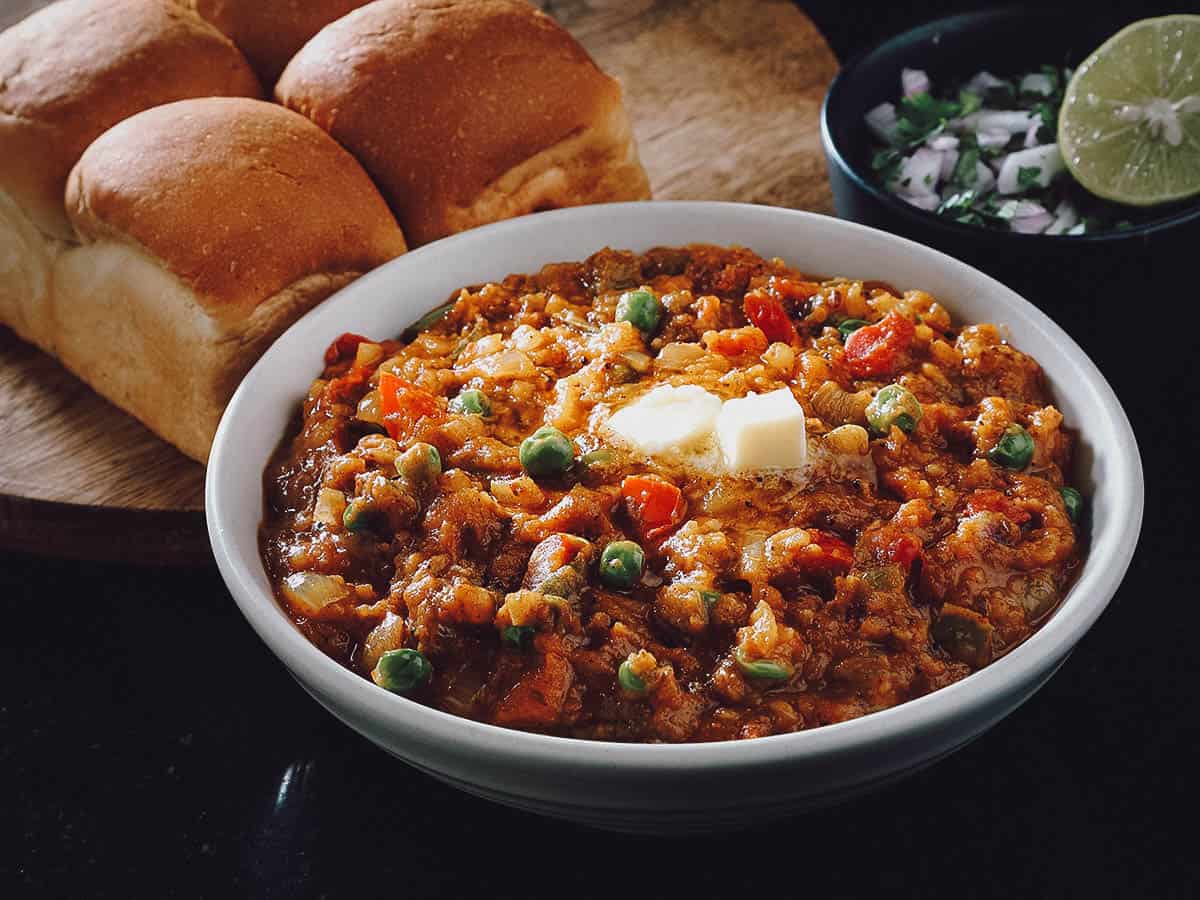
(928, 202)
(1037, 83)
(1031, 139)
(1046, 159)
(984, 179)
(1030, 218)
(991, 138)
(919, 173)
(1014, 121)
(981, 82)
(882, 122)
(506, 364)
(942, 142)
(949, 161)
(914, 81)
(678, 355)
(1065, 217)
(309, 592)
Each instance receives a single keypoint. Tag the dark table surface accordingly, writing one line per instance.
(151, 746)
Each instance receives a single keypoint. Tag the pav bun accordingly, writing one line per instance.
(208, 227)
(467, 111)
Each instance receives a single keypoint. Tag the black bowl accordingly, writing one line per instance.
(1073, 277)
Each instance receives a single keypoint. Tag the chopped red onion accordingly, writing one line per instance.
(1065, 216)
(981, 82)
(1030, 218)
(1037, 83)
(914, 81)
(1013, 121)
(920, 172)
(881, 120)
(1046, 159)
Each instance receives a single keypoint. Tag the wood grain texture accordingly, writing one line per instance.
(724, 97)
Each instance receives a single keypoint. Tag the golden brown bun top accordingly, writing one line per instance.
(72, 70)
(270, 32)
(238, 198)
(438, 98)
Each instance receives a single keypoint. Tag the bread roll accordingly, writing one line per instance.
(467, 112)
(208, 227)
(270, 32)
(68, 73)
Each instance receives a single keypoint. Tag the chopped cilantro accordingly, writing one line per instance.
(1007, 210)
(1027, 177)
(965, 174)
(958, 202)
(921, 116)
(969, 102)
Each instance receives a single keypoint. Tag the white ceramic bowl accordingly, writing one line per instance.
(648, 787)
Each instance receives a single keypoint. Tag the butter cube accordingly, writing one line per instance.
(667, 419)
(762, 431)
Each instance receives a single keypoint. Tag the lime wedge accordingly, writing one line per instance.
(1129, 129)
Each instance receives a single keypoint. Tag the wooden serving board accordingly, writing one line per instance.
(724, 96)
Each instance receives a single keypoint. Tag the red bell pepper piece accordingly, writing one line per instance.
(875, 349)
(404, 405)
(835, 556)
(904, 549)
(344, 347)
(655, 505)
(769, 315)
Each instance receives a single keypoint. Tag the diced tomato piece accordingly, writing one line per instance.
(737, 341)
(404, 405)
(655, 505)
(770, 316)
(995, 501)
(344, 347)
(875, 349)
(834, 556)
(904, 549)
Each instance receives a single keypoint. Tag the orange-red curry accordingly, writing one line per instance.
(419, 535)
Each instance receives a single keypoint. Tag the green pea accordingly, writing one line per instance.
(471, 403)
(546, 452)
(764, 669)
(847, 327)
(420, 464)
(358, 516)
(1073, 501)
(628, 680)
(517, 635)
(1014, 450)
(641, 309)
(710, 598)
(894, 405)
(401, 671)
(621, 565)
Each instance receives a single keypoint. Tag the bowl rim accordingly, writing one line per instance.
(342, 689)
(920, 217)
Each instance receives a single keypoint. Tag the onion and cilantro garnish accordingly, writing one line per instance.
(984, 152)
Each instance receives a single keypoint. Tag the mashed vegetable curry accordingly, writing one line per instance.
(855, 500)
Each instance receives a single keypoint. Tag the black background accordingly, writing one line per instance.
(151, 746)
